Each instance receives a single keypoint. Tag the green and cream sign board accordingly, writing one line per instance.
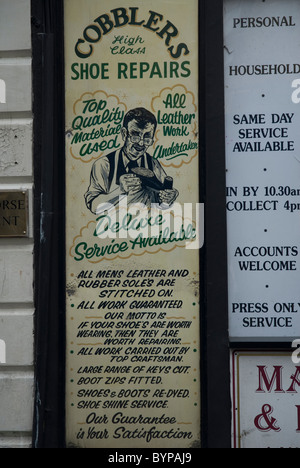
(132, 224)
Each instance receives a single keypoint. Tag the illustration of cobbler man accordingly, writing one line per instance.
(131, 171)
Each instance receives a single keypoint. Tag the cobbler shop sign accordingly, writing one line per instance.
(132, 224)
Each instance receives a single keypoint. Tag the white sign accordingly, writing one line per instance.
(265, 400)
(262, 70)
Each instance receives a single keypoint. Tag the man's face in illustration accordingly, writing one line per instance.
(137, 140)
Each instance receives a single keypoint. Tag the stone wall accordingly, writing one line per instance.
(16, 255)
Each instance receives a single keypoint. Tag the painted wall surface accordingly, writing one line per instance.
(16, 255)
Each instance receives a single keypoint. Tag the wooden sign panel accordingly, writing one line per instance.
(263, 171)
(132, 224)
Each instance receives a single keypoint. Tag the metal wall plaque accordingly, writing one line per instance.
(13, 213)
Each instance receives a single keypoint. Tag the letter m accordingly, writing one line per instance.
(269, 383)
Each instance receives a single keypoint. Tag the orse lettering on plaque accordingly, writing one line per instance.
(13, 214)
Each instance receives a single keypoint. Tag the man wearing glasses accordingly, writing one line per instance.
(131, 171)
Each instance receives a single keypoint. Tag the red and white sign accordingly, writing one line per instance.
(265, 399)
